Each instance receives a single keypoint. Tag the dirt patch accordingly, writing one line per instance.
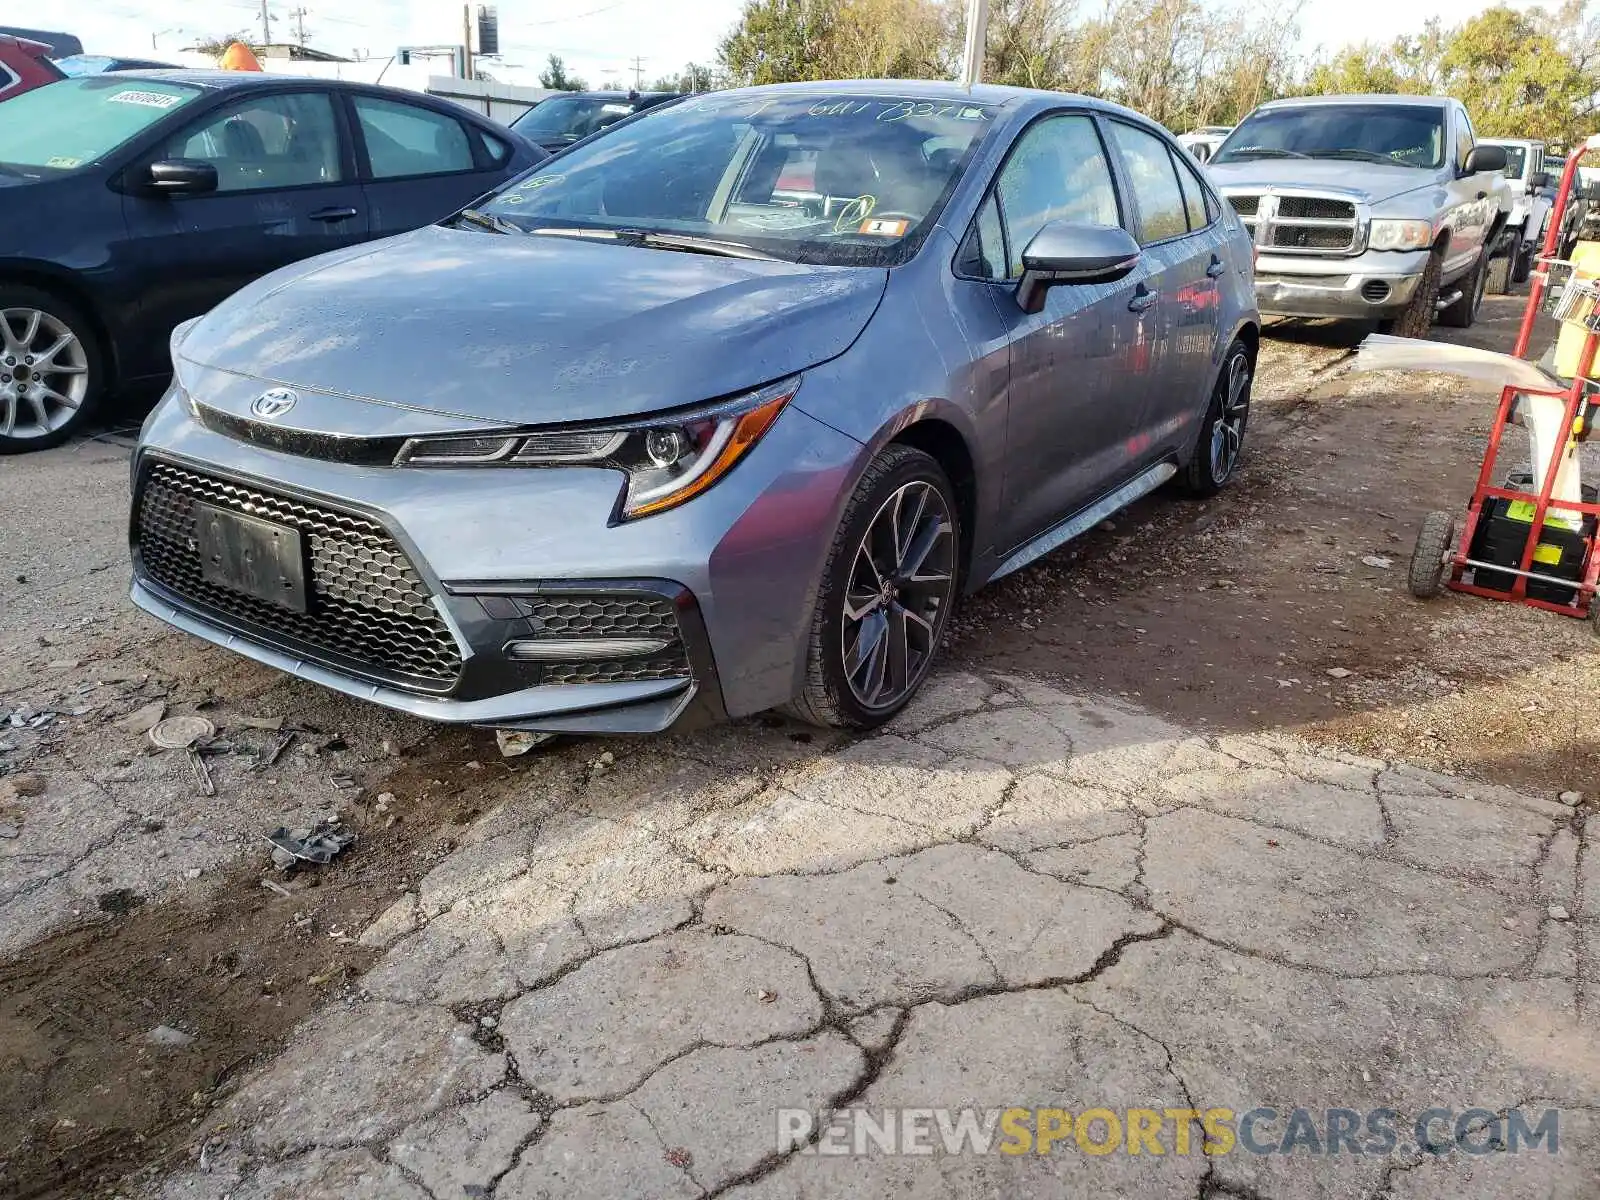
(117, 1038)
(1283, 601)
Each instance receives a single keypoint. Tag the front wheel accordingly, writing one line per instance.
(1221, 441)
(885, 594)
(1464, 311)
(1417, 317)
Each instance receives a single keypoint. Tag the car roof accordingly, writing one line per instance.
(1381, 98)
(945, 90)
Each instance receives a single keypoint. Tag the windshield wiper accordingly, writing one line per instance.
(1362, 156)
(1263, 152)
(703, 245)
(489, 221)
(686, 242)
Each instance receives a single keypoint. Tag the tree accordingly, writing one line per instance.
(1515, 79)
(217, 46)
(778, 41)
(555, 76)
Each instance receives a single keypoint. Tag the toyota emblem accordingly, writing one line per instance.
(269, 406)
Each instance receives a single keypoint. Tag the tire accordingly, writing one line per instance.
(1417, 318)
(841, 667)
(1464, 311)
(1435, 539)
(1220, 443)
(43, 408)
(1522, 263)
(1497, 282)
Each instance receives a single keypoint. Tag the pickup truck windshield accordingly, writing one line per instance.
(1403, 134)
(844, 180)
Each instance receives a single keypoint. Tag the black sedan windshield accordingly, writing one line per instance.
(568, 118)
(824, 178)
(1403, 134)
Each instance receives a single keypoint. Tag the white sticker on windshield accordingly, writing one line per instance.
(783, 218)
(146, 99)
(615, 108)
(62, 163)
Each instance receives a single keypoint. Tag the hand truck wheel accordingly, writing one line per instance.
(1435, 540)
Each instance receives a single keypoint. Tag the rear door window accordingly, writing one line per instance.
(406, 140)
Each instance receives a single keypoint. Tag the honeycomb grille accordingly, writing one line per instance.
(1245, 206)
(368, 609)
(1316, 207)
(603, 615)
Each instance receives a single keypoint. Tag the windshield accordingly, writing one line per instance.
(75, 65)
(819, 178)
(1516, 159)
(568, 118)
(69, 124)
(1406, 135)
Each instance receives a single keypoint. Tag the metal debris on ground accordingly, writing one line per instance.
(317, 844)
(1377, 560)
(278, 747)
(202, 773)
(270, 724)
(143, 720)
(516, 742)
(182, 732)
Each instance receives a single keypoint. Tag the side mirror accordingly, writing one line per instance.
(1539, 180)
(182, 177)
(1064, 252)
(1486, 158)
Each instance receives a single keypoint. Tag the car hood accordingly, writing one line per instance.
(517, 329)
(1360, 181)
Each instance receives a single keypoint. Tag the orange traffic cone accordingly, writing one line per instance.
(238, 57)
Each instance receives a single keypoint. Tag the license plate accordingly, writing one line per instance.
(249, 555)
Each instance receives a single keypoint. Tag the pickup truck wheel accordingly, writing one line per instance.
(1417, 318)
(1522, 263)
(1464, 311)
(51, 370)
(1498, 280)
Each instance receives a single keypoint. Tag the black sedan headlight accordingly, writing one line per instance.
(668, 459)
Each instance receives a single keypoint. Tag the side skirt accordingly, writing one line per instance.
(1087, 518)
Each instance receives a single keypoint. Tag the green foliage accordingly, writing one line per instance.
(555, 76)
(1530, 73)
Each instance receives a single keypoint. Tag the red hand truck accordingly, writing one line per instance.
(1526, 578)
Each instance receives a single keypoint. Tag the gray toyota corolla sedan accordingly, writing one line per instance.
(718, 412)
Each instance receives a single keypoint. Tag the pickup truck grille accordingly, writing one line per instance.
(1298, 224)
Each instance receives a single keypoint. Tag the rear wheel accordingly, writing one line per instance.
(1216, 453)
(51, 370)
(1417, 317)
(1464, 311)
(1501, 272)
(885, 594)
(1435, 540)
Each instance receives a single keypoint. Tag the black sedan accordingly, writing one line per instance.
(561, 120)
(130, 202)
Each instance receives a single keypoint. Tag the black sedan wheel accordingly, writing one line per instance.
(50, 372)
(886, 594)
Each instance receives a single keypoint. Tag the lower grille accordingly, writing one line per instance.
(598, 616)
(369, 611)
(1245, 206)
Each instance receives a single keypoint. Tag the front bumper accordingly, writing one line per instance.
(1373, 284)
(735, 569)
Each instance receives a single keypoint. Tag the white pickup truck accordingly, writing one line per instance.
(1532, 194)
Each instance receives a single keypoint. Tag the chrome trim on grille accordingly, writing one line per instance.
(1290, 221)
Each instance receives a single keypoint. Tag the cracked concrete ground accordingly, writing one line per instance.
(1012, 896)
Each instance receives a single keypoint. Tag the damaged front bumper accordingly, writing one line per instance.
(1375, 284)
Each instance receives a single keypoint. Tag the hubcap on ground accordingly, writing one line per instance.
(44, 373)
(1227, 432)
(902, 581)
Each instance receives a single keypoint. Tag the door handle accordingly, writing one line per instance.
(334, 214)
(1143, 299)
(1217, 267)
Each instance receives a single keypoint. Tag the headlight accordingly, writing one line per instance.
(668, 459)
(1400, 235)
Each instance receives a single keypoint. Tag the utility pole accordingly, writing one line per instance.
(976, 43)
(299, 16)
(466, 41)
(638, 73)
(266, 25)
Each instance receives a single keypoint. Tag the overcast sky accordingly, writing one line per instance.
(598, 38)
